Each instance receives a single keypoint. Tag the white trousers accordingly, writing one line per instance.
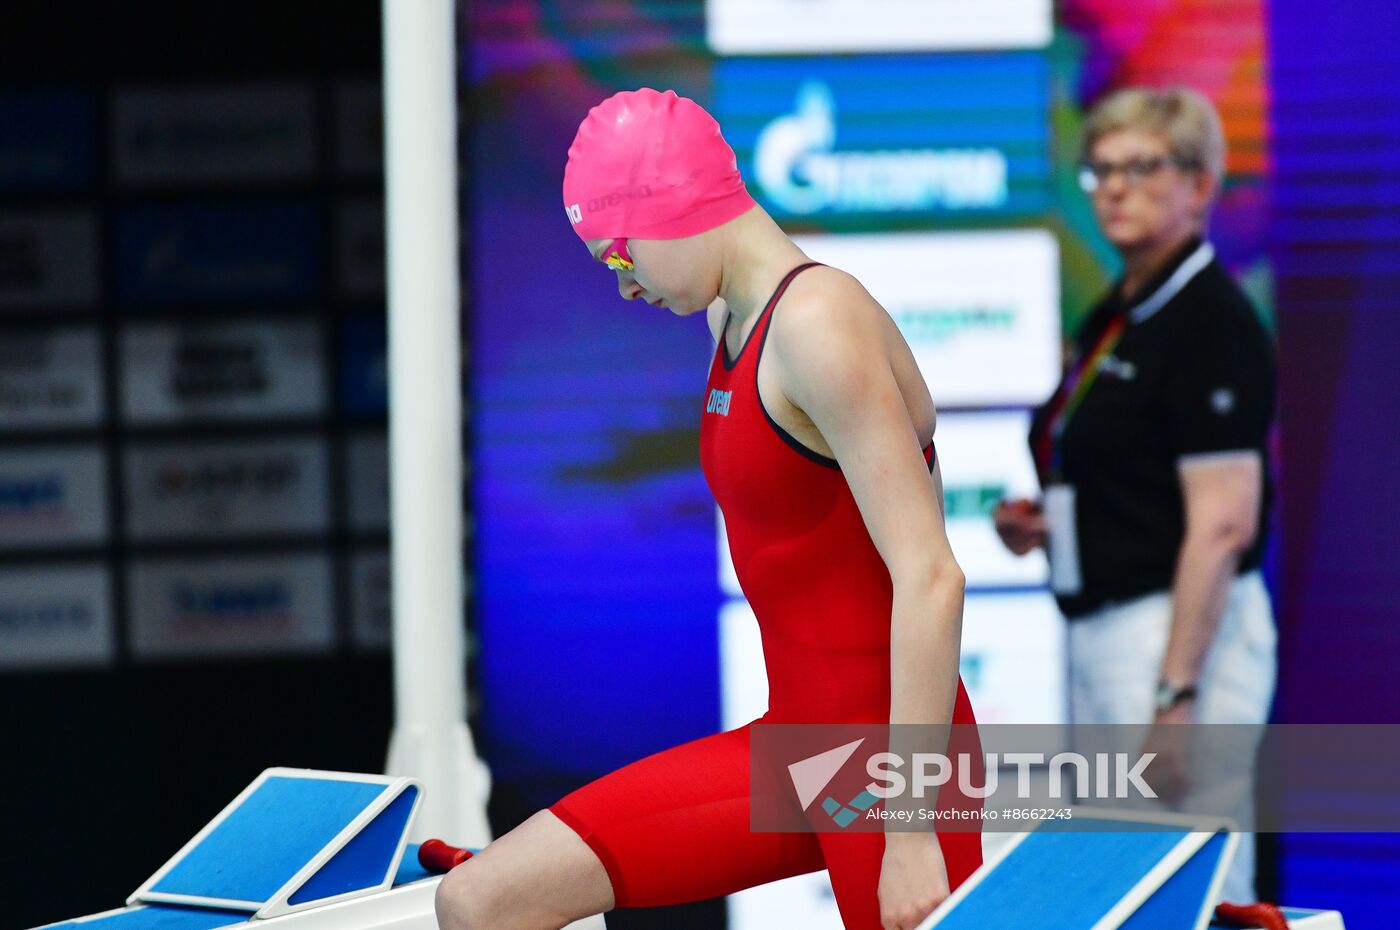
(1115, 660)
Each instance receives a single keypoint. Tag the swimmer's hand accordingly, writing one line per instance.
(913, 879)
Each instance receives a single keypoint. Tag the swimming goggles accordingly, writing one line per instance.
(616, 256)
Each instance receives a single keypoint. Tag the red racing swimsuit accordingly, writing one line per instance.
(674, 826)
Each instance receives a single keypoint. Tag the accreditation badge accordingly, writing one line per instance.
(1063, 539)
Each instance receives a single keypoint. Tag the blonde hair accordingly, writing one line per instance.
(1180, 115)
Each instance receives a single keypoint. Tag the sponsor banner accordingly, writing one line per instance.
(51, 378)
(53, 496)
(231, 606)
(176, 135)
(48, 260)
(984, 458)
(367, 482)
(359, 130)
(746, 27)
(371, 602)
(255, 370)
(981, 311)
(1013, 658)
(55, 616)
(48, 140)
(856, 142)
(364, 367)
(210, 490)
(359, 236)
(218, 253)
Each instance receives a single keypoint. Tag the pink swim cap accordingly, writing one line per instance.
(648, 165)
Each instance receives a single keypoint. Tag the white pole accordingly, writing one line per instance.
(430, 740)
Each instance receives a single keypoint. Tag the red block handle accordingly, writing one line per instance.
(1265, 916)
(437, 856)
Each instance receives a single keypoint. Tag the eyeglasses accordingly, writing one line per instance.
(616, 256)
(1135, 170)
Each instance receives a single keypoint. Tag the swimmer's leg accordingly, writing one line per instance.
(667, 829)
(539, 876)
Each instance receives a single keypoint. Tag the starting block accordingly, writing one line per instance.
(298, 849)
(1104, 870)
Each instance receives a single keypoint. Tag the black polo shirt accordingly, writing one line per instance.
(1193, 374)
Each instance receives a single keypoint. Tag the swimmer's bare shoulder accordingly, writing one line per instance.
(828, 303)
(828, 314)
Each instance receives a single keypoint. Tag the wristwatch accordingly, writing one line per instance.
(1169, 695)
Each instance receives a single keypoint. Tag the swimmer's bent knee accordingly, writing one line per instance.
(461, 903)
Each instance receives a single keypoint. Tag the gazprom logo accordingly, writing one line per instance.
(801, 170)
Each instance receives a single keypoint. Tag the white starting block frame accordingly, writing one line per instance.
(298, 849)
(293, 839)
(1106, 870)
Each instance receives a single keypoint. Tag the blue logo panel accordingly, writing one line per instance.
(862, 142)
(364, 368)
(48, 140)
(219, 253)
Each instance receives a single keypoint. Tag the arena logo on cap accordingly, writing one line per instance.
(608, 201)
(797, 164)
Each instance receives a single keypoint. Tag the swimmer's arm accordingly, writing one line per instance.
(833, 365)
(831, 360)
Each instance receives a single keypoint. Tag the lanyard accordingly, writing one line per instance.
(1078, 380)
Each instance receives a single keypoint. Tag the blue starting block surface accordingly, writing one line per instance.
(1105, 871)
(294, 838)
(1093, 872)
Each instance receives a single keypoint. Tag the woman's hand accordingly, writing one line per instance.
(1170, 773)
(913, 879)
(1020, 524)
